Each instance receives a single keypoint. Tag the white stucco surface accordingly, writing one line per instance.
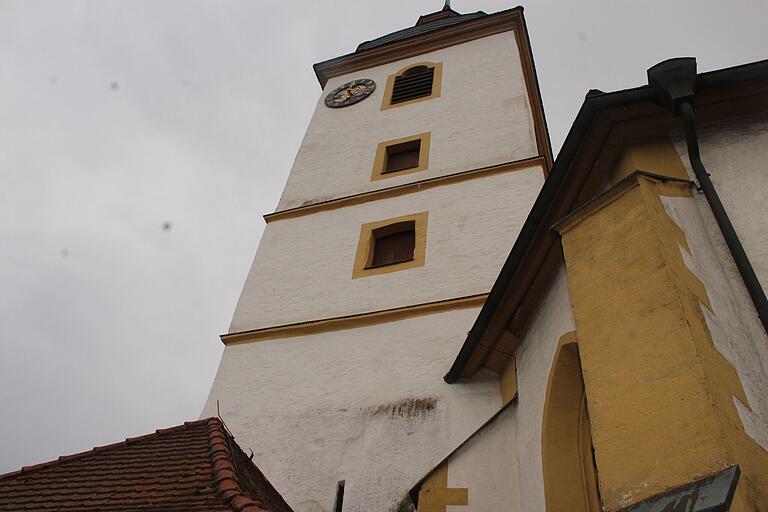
(487, 466)
(501, 465)
(482, 117)
(735, 153)
(322, 408)
(303, 267)
(534, 360)
(736, 330)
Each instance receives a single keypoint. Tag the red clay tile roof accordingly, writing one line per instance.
(196, 466)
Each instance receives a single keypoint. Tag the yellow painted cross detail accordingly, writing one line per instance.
(435, 494)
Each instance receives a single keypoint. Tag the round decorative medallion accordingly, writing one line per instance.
(350, 93)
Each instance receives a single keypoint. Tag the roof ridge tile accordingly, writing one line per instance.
(224, 472)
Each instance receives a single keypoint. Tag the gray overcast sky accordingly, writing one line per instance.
(117, 117)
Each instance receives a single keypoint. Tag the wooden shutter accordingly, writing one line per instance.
(405, 242)
(413, 83)
(402, 156)
(394, 247)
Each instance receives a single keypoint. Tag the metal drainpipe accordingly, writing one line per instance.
(675, 81)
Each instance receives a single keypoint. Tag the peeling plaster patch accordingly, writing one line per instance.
(404, 408)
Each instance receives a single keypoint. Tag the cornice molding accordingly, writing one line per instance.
(407, 188)
(353, 321)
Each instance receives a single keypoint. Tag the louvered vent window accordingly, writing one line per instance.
(393, 244)
(413, 83)
(402, 156)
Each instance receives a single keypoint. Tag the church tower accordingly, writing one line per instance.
(425, 153)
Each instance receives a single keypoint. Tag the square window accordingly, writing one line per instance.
(391, 245)
(401, 156)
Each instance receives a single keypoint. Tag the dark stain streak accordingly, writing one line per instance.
(405, 505)
(404, 408)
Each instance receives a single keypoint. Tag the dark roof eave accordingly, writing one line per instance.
(592, 105)
(419, 29)
(318, 66)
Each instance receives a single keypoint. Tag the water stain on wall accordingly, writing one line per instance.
(404, 408)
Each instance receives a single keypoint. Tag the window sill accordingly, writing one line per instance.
(393, 171)
(387, 264)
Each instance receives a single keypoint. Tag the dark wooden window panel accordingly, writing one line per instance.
(402, 156)
(413, 83)
(393, 244)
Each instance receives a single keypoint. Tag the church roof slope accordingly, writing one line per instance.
(433, 31)
(196, 466)
(420, 28)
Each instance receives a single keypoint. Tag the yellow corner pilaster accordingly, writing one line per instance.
(660, 395)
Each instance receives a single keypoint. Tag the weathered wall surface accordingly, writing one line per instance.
(735, 152)
(366, 405)
(481, 118)
(732, 321)
(303, 267)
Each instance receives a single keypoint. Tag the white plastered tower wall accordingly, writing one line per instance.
(482, 118)
(366, 403)
(306, 263)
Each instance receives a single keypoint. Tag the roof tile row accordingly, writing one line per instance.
(193, 467)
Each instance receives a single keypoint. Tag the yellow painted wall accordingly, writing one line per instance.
(660, 395)
(657, 155)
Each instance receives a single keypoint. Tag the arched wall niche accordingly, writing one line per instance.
(570, 475)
